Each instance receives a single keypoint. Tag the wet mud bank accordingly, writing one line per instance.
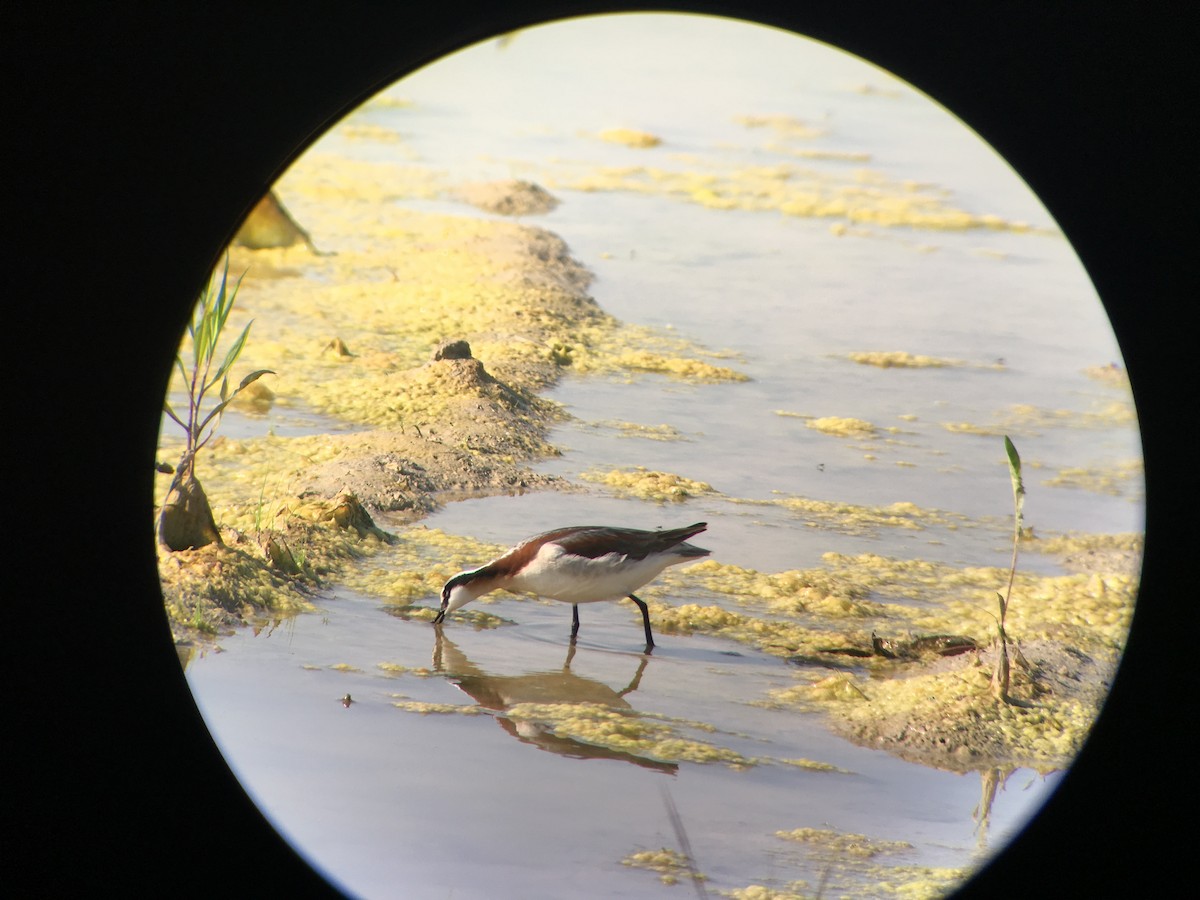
(435, 338)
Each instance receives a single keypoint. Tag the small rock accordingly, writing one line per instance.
(459, 349)
(508, 198)
(337, 347)
(269, 224)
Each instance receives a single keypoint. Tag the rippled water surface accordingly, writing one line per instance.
(388, 801)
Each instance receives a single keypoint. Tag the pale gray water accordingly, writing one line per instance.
(394, 804)
(391, 803)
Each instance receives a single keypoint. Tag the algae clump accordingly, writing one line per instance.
(630, 137)
(670, 864)
(426, 709)
(842, 843)
(842, 426)
(641, 482)
(900, 359)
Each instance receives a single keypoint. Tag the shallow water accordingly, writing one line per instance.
(394, 803)
(391, 802)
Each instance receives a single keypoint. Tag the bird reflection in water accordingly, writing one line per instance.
(502, 692)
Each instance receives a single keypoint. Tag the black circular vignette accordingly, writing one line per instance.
(141, 134)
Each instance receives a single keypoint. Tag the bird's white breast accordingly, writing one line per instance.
(558, 575)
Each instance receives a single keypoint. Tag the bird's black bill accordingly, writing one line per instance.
(439, 618)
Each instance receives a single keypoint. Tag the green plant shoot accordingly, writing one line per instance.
(1018, 489)
(205, 329)
(1000, 677)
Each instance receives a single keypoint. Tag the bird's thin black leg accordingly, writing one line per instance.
(645, 621)
(574, 621)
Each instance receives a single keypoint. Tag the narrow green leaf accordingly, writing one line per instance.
(193, 329)
(253, 377)
(225, 301)
(210, 309)
(1014, 459)
(220, 299)
(201, 339)
(202, 391)
(233, 294)
(201, 442)
(1014, 471)
(215, 413)
(234, 351)
(170, 412)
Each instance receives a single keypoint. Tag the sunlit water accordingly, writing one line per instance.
(388, 802)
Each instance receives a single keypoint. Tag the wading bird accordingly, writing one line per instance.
(581, 564)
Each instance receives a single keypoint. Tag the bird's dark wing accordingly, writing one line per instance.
(592, 542)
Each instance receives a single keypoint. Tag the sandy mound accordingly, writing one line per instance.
(508, 198)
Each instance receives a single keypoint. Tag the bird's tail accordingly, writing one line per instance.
(674, 540)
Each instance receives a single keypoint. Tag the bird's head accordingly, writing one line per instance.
(458, 592)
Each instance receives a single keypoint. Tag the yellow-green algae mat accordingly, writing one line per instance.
(209, 590)
(341, 338)
(857, 197)
(848, 862)
(349, 335)
(936, 710)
